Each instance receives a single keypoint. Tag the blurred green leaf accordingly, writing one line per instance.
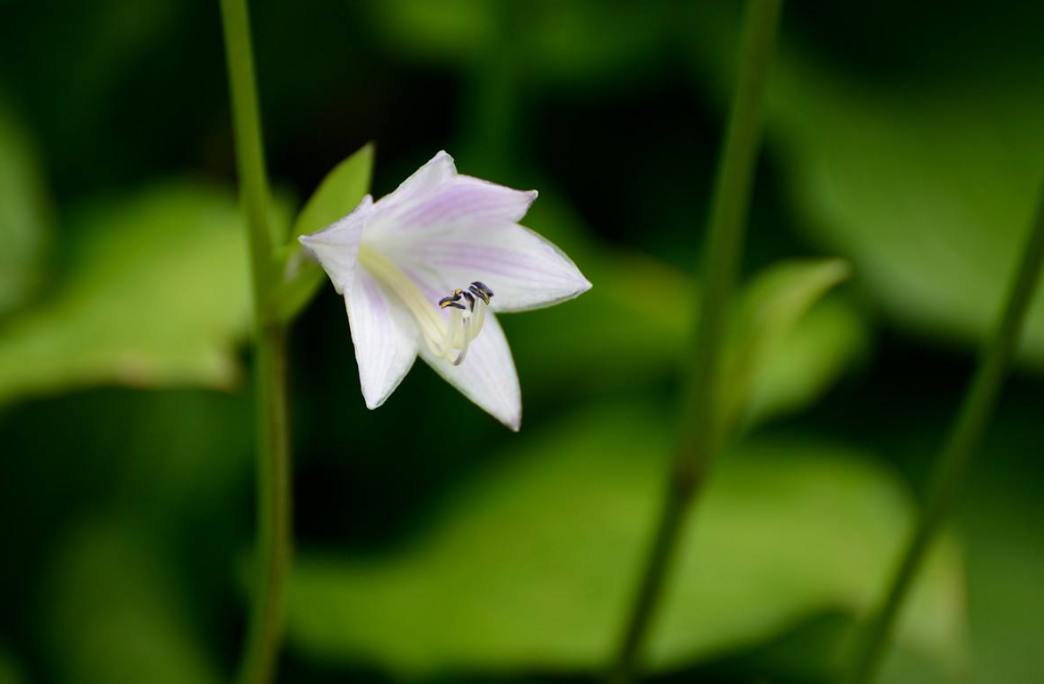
(155, 294)
(531, 564)
(24, 212)
(338, 194)
(114, 614)
(808, 360)
(451, 30)
(1002, 514)
(9, 671)
(637, 321)
(930, 192)
(542, 35)
(771, 306)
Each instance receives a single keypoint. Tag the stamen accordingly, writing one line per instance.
(447, 338)
(464, 327)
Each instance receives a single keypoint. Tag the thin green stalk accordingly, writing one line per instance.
(951, 469)
(265, 630)
(698, 440)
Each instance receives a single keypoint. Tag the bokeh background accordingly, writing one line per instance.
(432, 544)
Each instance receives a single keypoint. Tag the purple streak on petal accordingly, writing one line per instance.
(490, 259)
(384, 339)
(465, 200)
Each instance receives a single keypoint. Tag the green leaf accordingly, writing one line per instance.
(770, 308)
(530, 565)
(10, 673)
(929, 191)
(1003, 515)
(637, 321)
(24, 212)
(338, 194)
(469, 32)
(822, 346)
(113, 613)
(155, 293)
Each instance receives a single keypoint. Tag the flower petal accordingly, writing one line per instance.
(524, 270)
(423, 182)
(384, 335)
(461, 200)
(336, 247)
(487, 376)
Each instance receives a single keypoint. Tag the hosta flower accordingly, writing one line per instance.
(426, 269)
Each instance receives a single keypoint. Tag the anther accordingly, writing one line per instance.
(453, 300)
(481, 290)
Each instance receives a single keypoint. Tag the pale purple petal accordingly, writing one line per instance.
(462, 200)
(425, 180)
(336, 247)
(487, 376)
(384, 335)
(524, 270)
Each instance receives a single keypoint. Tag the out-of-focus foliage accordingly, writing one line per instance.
(24, 212)
(770, 312)
(638, 321)
(930, 192)
(137, 628)
(9, 673)
(524, 564)
(467, 31)
(154, 293)
(1003, 517)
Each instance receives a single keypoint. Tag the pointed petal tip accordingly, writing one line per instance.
(444, 156)
(374, 402)
(531, 196)
(512, 420)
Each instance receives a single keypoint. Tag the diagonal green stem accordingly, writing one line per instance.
(697, 443)
(265, 630)
(955, 460)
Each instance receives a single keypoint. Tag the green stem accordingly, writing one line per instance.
(699, 437)
(954, 461)
(265, 630)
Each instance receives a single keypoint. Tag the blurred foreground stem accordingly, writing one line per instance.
(265, 630)
(698, 441)
(954, 462)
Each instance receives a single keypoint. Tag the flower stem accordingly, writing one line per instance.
(699, 436)
(264, 633)
(954, 461)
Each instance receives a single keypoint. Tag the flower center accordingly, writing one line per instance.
(447, 338)
(467, 313)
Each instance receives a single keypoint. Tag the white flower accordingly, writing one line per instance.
(426, 269)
